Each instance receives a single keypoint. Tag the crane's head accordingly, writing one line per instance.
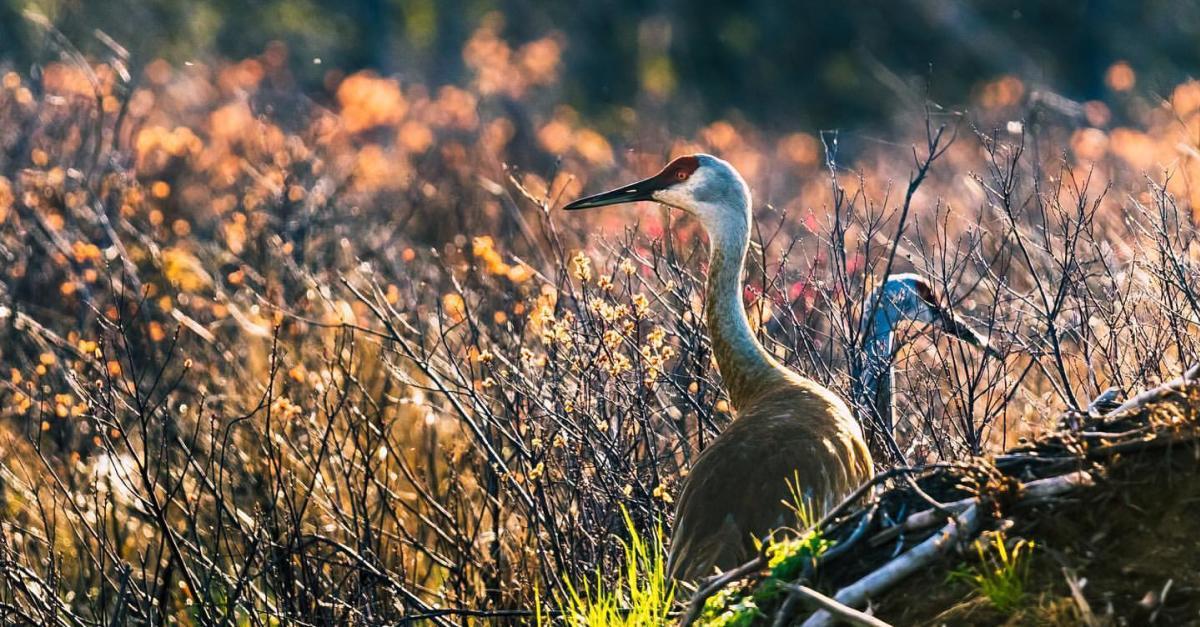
(910, 297)
(702, 185)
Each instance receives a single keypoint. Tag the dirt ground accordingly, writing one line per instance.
(1132, 542)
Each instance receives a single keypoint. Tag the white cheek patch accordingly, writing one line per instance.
(675, 197)
(681, 195)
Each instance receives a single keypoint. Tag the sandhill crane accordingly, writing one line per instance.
(902, 297)
(787, 426)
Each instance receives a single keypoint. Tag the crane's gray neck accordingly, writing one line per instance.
(874, 394)
(745, 366)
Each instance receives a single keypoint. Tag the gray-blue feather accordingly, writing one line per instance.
(722, 184)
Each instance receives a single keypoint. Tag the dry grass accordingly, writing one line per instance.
(276, 360)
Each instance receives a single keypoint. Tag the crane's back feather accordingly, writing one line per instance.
(738, 488)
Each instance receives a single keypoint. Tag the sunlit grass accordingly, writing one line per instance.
(640, 593)
(1002, 573)
(807, 515)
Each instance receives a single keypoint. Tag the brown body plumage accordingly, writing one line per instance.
(788, 428)
(738, 490)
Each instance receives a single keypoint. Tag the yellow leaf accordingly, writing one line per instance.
(184, 270)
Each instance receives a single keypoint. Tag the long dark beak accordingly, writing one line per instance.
(957, 327)
(642, 190)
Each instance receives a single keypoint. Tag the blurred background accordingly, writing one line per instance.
(777, 65)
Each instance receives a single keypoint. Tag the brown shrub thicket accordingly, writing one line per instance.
(272, 359)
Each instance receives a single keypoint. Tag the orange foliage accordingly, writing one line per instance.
(368, 101)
